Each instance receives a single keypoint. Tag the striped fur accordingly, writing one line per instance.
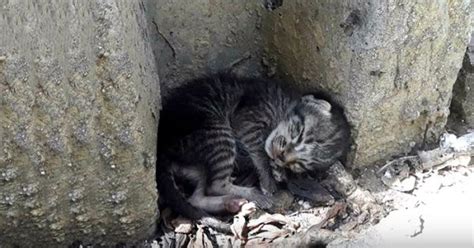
(207, 122)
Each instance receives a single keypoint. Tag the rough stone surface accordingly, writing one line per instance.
(78, 102)
(392, 64)
(462, 105)
(197, 37)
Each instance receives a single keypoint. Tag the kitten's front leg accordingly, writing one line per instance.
(267, 181)
(248, 193)
(260, 159)
(278, 172)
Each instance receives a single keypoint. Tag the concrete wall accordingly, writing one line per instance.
(194, 37)
(78, 121)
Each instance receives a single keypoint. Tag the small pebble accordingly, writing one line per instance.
(155, 244)
(306, 205)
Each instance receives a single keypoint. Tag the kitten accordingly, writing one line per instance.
(206, 123)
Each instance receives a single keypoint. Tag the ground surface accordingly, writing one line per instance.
(425, 200)
(438, 213)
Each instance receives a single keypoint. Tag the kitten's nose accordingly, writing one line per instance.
(281, 156)
(278, 153)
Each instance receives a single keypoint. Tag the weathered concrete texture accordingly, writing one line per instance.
(77, 122)
(392, 64)
(200, 36)
(462, 105)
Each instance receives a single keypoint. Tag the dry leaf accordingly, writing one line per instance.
(268, 227)
(270, 236)
(268, 218)
(238, 226)
(200, 239)
(264, 228)
(247, 209)
(181, 240)
(182, 225)
(269, 233)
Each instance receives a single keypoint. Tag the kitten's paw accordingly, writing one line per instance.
(279, 174)
(269, 188)
(233, 205)
(262, 201)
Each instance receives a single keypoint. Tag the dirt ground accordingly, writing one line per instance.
(437, 213)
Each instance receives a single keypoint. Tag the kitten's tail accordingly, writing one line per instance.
(172, 196)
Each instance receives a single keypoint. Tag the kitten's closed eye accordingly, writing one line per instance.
(296, 129)
(281, 141)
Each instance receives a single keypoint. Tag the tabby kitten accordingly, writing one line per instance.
(208, 122)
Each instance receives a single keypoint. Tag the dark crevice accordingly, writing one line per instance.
(352, 21)
(273, 4)
(422, 227)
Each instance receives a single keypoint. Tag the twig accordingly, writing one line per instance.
(422, 227)
(453, 151)
(335, 210)
(173, 50)
(425, 133)
(396, 161)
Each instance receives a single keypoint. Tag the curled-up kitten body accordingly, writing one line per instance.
(207, 124)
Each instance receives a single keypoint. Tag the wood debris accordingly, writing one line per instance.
(361, 202)
(401, 174)
(262, 230)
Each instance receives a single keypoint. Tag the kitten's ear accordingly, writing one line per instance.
(321, 105)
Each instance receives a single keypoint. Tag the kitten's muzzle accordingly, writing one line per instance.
(278, 154)
(284, 156)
